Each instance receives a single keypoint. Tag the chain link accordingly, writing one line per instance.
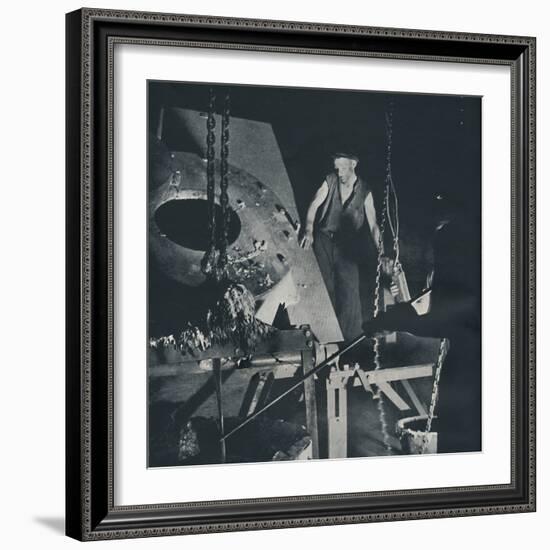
(380, 405)
(209, 258)
(442, 353)
(214, 261)
(224, 199)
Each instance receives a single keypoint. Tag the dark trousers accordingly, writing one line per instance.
(341, 274)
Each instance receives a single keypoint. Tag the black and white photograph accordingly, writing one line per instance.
(314, 273)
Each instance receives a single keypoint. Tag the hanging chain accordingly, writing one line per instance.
(377, 306)
(224, 182)
(443, 349)
(208, 260)
(214, 264)
(378, 279)
(382, 226)
(389, 142)
(394, 224)
(376, 341)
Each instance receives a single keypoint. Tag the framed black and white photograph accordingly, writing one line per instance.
(300, 265)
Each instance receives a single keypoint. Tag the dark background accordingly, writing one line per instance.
(436, 147)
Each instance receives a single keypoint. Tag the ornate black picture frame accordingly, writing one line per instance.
(90, 509)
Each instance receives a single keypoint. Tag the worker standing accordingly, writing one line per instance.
(341, 226)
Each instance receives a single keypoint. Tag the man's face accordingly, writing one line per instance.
(345, 169)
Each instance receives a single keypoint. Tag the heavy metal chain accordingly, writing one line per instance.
(442, 353)
(224, 199)
(394, 224)
(382, 225)
(380, 244)
(213, 264)
(376, 341)
(208, 260)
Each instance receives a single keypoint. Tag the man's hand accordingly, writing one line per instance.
(307, 238)
(394, 290)
(387, 266)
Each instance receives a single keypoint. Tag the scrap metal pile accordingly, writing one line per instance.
(230, 320)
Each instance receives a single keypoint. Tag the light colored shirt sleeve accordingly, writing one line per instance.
(370, 212)
(318, 199)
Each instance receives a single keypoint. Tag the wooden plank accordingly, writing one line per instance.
(263, 377)
(337, 414)
(396, 373)
(279, 371)
(219, 399)
(281, 341)
(393, 396)
(311, 402)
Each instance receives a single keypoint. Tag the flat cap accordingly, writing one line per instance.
(345, 155)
